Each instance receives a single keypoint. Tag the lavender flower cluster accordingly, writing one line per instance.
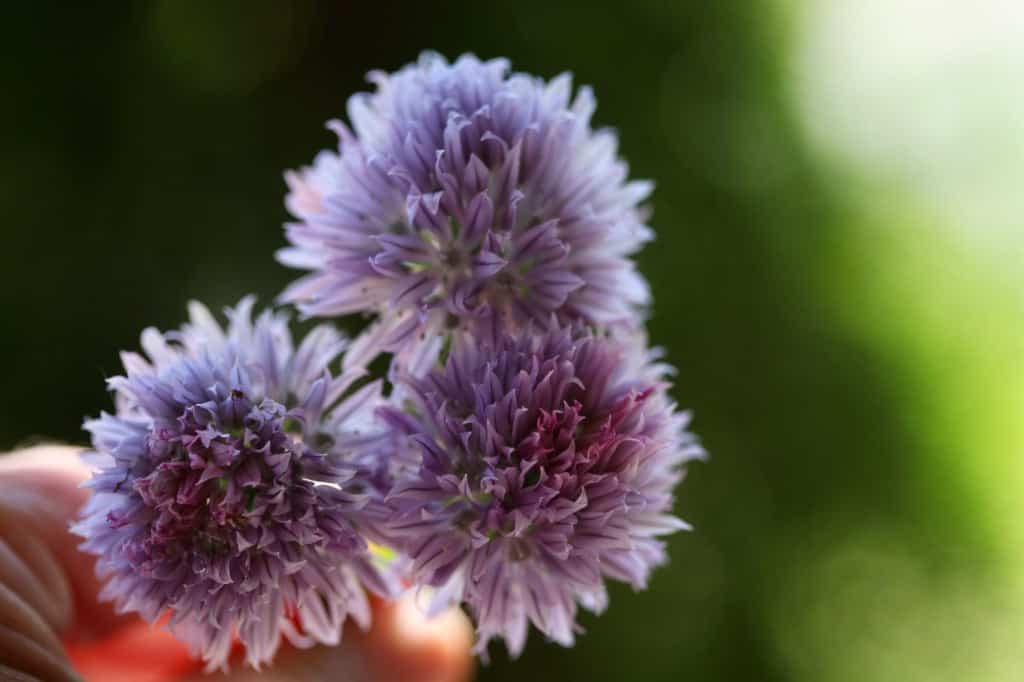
(522, 448)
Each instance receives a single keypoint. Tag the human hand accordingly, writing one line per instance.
(53, 629)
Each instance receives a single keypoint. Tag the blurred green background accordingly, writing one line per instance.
(837, 274)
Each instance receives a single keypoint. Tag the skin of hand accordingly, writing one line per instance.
(53, 629)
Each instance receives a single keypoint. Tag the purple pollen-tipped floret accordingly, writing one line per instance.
(223, 493)
(466, 198)
(546, 465)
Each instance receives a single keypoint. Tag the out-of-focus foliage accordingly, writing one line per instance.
(856, 368)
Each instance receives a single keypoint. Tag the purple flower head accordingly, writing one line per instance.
(215, 499)
(467, 198)
(546, 464)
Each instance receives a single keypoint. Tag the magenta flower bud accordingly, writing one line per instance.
(544, 466)
(226, 494)
(465, 199)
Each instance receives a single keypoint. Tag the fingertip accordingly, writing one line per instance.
(404, 644)
(62, 461)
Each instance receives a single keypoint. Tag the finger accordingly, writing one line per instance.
(16, 574)
(47, 585)
(34, 595)
(17, 615)
(406, 645)
(22, 658)
(401, 646)
(40, 497)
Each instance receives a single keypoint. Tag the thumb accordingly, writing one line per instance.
(403, 645)
(46, 585)
(48, 592)
(41, 497)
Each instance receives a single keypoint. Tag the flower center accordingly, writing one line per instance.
(215, 475)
